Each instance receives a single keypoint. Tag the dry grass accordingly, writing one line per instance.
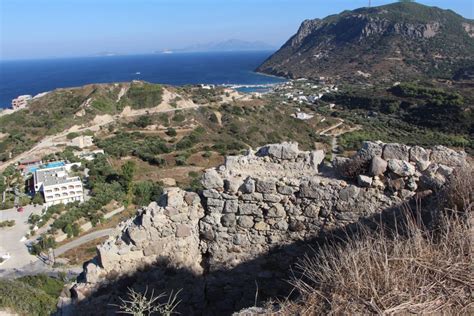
(419, 270)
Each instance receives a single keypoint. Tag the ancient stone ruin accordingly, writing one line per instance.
(240, 232)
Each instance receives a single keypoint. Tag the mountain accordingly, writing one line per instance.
(227, 46)
(391, 42)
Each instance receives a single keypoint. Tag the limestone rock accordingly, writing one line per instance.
(396, 151)
(92, 274)
(183, 230)
(447, 156)
(419, 154)
(280, 151)
(364, 181)
(248, 186)
(378, 166)
(212, 180)
(312, 210)
(277, 210)
(369, 150)
(266, 185)
(401, 167)
(317, 157)
(228, 220)
(245, 221)
(349, 192)
(261, 226)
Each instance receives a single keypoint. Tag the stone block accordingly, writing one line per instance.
(267, 185)
(183, 230)
(245, 221)
(277, 210)
(212, 180)
(396, 151)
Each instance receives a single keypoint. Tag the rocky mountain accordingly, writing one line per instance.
(393, 42)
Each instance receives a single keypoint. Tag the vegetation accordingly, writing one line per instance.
(7, 223)
(30, 295)
(412, 269)
(149, 304)
(144, 95)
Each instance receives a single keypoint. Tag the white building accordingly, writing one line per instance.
(57, 186)
(21, 102)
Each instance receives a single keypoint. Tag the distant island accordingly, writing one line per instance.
(230, 45)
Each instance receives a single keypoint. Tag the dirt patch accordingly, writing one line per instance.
(84, 252)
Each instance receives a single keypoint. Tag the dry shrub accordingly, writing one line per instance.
(353, 167)
(458, 193)
(393, 272)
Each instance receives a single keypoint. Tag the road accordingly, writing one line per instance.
(82, 240)
(16, 269)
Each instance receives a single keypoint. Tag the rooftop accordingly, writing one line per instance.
(53, 176)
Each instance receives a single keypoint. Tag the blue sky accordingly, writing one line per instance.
(60, 28)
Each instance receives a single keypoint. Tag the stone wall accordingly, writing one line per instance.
(251, 213)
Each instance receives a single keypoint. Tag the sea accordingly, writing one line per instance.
(235, 69)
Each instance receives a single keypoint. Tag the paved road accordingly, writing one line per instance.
(35, 265)
(82, 240)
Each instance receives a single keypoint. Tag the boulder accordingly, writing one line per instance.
(396, 151)
(364, 181)
(212, 180)
(317, 157)
(286, 151)
(248, 186)
(92, 273)
(422, 165)
(447, 156)
(418, 154)
(378, 166)
(401, 167)
(369, 150)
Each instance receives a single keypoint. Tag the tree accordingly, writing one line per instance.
(171, 132)
(128, 170)
(38, 199)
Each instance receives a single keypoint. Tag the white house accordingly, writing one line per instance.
(57, 186)
(21, 102)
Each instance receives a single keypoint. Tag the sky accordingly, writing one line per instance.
(32, 29)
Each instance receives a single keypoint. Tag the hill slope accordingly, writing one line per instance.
(395, 41)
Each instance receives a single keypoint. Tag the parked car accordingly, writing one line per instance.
(20, 209)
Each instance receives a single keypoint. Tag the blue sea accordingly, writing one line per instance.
(229, 68)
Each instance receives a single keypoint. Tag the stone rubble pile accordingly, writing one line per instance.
(402, 169)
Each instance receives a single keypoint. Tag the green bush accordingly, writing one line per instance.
(144, 95)
(28, 296)
(171, 132)
(72, 135)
